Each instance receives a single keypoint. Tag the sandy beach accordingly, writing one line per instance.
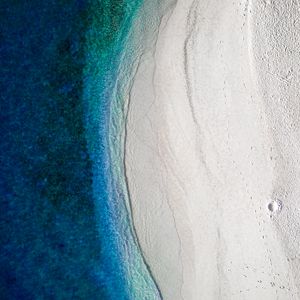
(212, 151)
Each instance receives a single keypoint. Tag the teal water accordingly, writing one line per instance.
(101, 90)
(65, 229)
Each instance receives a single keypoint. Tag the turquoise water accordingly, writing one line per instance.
(65, 229)
(101, 90)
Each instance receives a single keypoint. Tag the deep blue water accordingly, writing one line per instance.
(57, 240)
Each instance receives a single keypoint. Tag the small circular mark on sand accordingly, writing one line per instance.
(275, 206)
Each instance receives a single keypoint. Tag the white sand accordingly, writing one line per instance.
(213, 138)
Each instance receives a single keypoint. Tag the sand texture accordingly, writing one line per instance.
(212, 150)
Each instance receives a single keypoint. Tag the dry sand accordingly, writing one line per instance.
(213, 151)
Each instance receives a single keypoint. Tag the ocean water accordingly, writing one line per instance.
(66, 231)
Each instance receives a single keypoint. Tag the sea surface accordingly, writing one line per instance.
(66, 230)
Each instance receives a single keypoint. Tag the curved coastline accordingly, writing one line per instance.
(113, 84)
